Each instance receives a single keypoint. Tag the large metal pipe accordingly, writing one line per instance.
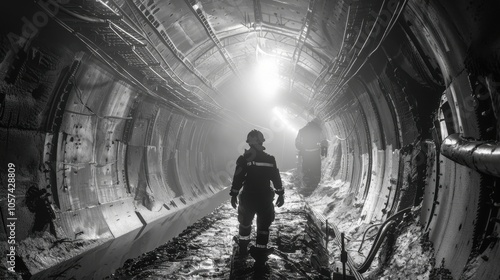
(482, 156)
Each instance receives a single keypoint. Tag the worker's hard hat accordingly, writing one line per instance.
(255, 137)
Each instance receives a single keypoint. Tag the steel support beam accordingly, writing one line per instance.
(200, 15)
(284, 35)
(135, 53)
(317, 57)
(304, 33)
(257, 12)
(165, 39)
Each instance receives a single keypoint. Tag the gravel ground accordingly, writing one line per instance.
(204, 249)
(409, 255)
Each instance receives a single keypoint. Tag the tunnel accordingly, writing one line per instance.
(121, 122)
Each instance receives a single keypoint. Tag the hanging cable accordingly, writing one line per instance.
(392, 22)
(364, 235)
(355, 121)
(352, 129)
(399, 9)
(78, 94)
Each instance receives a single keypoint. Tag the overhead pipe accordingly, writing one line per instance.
(482, 156)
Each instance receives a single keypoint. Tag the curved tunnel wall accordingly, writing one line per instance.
(411, 94)
(114, 161)
(117, 159)
(119, 148)
(452, 228)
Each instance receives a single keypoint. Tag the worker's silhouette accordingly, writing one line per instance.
(311, 146)
(255, 169)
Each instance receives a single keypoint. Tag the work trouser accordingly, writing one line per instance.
(262, 205)
(311, 171)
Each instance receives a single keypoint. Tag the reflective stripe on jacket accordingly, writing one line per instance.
(254, 171)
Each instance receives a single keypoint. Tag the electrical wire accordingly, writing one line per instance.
(148, 39)
(79, 94)
(352, 129)
(381, 234)
(130, 77)
(355, 122)
(392, 22)
(353, 59)
(364, 235)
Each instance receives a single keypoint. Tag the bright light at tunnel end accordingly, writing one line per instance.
(266, 77)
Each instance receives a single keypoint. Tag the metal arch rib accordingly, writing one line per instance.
(172, 75)
(133, 52)
(304, 33)
(319, 57)
(165, 39)
(330, 66)
(257, 12)
(200, 15)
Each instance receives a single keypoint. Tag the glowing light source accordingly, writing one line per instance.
(266, 76)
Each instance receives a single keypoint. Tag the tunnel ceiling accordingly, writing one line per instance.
(184, 52)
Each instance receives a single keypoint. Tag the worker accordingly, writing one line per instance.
(255, 169)
(311, 145)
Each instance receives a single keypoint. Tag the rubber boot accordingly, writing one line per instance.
(242, 246)
(260, 255)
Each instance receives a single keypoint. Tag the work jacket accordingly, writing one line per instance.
(308, 138)
(254, 172)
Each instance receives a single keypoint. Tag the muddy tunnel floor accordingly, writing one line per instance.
(205, 249)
